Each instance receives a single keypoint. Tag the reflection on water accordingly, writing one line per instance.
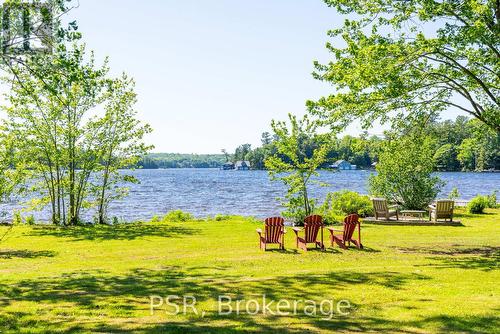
(211, 191)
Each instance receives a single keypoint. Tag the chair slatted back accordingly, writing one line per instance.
(380, 205)
(312, 225)
(350, 223)
(274, 227)
(444, 206)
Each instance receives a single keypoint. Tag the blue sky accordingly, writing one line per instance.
(212, 74)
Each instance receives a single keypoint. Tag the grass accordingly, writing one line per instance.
(408, 279)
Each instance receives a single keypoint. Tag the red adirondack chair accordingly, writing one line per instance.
(312, 226)
(345, 238)
(274, 232)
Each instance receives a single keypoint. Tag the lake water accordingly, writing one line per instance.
(205, 192)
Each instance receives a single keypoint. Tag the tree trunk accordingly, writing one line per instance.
(102, 200)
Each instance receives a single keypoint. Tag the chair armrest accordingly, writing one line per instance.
(331, 229)
(432, 207)
(259, 231)
(296, 230)
(393, 206)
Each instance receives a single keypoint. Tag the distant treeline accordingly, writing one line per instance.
(459, 145)
(175, 160)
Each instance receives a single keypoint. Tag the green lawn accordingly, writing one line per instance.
(408, 279)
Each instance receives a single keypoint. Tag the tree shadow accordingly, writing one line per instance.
(455, 250)
(129, 231)
(290, 251)
(484, 258)
(246, 324)
(25, 254)
(130, 293)
(471, 262)
(365, 249)
(436, 324)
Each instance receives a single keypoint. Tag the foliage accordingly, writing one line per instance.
(492, 200)
(404, 60)
(25, 25)
(480, 150)
(241, 152)
(17, 218)
(11, 179)
(481, 202)
(73, 127)
(404, 172)
(342, 203)
(478, 204)
(120, 136)
(30, 220)
(454, 194)
(219, 217)
(177, 216)
(175, 160)
(300, 151)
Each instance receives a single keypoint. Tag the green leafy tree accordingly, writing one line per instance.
(404, 172)
(454, 194)
(226, 155)
(481, 149)
(408, 59)
(242, 151)
(444, 157)
(120, 136)
(467, 154)
(266, 138)
(257, 157)
(62, 138)
(10, 178)
(24, 25)
(300, 151)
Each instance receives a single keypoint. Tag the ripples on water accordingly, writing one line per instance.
(205, 192)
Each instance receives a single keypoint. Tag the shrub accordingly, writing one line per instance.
(478, 204)
(220, 217)
(17, 218)
(155, 219)
(30, 220)
(405, 172)
(492, 200)
(343, 203)
(454, 194)
(300, 151)
(177, 216)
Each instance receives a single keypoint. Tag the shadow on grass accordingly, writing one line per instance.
(24, 254)
(483, 215)
(116, 232)
(102, 298)
(485, 258)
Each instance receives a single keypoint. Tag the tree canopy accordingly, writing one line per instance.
(300, 151)
(408, 59)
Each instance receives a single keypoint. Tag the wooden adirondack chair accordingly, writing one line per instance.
(312, 226)
(443, 209)
(381, 209)
(274, 232)
(344, 237)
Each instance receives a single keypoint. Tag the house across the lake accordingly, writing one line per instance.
(242, 165)
(343, 165)
(228, 166)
